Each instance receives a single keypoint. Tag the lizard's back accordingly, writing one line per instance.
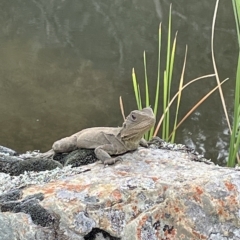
(96, 136)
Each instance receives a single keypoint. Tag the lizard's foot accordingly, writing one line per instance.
(111, 161)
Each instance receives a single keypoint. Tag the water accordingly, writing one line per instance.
(64, 65)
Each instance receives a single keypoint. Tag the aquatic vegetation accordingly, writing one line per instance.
(167, 100)
(167, 79)
(235, 131)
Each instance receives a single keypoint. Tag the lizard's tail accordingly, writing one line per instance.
(47, 155)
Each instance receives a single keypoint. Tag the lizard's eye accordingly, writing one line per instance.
(133, 117)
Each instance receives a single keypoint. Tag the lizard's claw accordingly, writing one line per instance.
(112, 161)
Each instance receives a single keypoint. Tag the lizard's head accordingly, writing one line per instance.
(137, 123)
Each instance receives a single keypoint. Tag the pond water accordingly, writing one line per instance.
(64, 65)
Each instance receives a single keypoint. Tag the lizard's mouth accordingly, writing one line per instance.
(138, 130)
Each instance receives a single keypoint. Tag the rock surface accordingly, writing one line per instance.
(17, 164)
(152, 194)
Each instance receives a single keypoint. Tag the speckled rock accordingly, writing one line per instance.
(152, 194)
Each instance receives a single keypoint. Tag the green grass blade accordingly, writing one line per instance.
(179, 96)
(139, 97)
(235, 135)
(164, 105)
(233, 147)
(159, 69)
(158, 76)
(136, 89)
(172, 62)
(166, 78)
(236, 10)
(237, 144)
(165, 129)
(170, 74)
(169, 41)
(147, 100)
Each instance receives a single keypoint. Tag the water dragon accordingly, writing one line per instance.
(110, 141)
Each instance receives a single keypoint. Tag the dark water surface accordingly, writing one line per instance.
(64, 65)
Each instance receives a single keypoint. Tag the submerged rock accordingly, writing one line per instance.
(152, 194)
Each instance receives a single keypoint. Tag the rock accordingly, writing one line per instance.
(7, 151)
(76, 158)
(18, 166)
(11, 196)
(152, 194)
(35, 161)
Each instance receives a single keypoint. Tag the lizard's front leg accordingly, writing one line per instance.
(103, 153)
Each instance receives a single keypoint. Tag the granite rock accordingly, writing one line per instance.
(152, 194)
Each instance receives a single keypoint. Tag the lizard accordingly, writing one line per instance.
(110, 141)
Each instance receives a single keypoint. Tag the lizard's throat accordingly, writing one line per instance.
(128, 135)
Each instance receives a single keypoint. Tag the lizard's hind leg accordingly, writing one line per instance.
(66, 144)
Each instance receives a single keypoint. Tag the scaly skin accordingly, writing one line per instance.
(108, 141)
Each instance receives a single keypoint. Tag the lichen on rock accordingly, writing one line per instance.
(152, 194)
